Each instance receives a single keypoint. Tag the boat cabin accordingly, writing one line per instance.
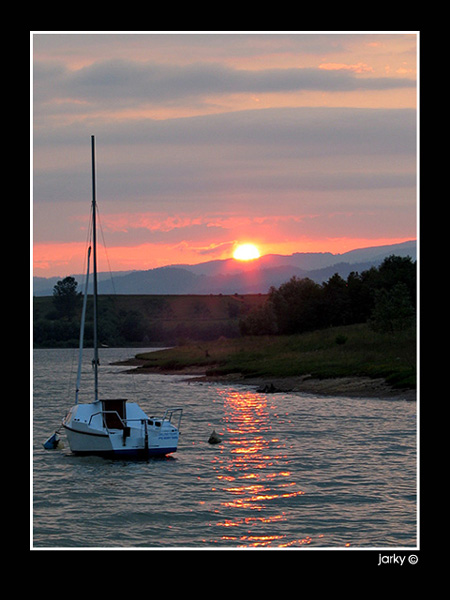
(114, 413)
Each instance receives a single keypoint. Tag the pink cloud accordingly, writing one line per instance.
(356, 68)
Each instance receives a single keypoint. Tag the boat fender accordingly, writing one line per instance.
(53, 442)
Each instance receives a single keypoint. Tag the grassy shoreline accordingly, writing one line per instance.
(336, 354)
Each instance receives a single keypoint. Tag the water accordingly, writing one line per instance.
(292, 471)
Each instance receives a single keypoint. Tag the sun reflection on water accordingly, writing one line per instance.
(252, 468)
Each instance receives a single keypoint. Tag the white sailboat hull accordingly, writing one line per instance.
(97, 428)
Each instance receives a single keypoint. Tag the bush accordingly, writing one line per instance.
(259, 321)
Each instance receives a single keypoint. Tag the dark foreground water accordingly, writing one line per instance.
(293, 471)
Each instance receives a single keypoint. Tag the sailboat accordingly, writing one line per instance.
(114, 427)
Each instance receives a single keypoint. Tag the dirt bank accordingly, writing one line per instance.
(350, 387)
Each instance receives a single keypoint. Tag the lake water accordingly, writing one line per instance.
(292, 471)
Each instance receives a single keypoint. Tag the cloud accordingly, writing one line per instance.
(119, 82)
(297, 164)
(356, 68)
(212, 158)
(300, 132)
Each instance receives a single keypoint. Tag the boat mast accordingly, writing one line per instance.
(94, 243)
(83, 318)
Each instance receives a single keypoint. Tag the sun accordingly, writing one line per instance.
(246, 252)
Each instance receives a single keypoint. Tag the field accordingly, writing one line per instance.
(144, 320)
(347, 351)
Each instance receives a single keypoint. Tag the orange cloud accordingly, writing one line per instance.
(357, 68)
(124, 222)
(54, 259)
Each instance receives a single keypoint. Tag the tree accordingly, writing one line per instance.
(131, 327)
(360, 297)
(296, 305)
(336, 301)
(66, 299)
(398, 269)
(393, 310)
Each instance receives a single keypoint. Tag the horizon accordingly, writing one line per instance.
(293, 142)
(255, 260)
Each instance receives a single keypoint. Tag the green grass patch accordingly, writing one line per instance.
(344, 351)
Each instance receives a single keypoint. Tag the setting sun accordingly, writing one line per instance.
(246, 252)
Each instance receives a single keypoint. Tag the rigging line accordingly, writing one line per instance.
(74, 353)
(70, 378)
(88, 242)
(114, 294)
(106, 252)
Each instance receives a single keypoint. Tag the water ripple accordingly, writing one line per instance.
(292, 471)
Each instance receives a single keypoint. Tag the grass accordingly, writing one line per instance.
(352, 350)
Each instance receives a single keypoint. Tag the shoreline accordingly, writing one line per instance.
(350, 387)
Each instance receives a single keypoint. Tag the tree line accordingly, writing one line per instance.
(135, 319)
(384, 297)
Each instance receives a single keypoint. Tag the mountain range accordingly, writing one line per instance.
(230, 276)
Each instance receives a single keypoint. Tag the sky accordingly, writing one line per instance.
(292, 141)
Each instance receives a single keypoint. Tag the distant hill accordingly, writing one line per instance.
(234, 277)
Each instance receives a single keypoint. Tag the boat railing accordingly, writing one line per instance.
(167, 417)
(170, 412)
(124, 422)
(103, 413)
